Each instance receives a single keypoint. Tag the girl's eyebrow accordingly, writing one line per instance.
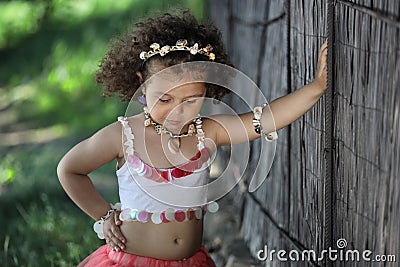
(196, 95)
(166, 94)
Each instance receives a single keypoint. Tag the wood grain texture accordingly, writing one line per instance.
(287, 211)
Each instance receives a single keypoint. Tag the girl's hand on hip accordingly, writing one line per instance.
(112, 232)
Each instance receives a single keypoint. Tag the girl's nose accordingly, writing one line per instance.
(178, 109)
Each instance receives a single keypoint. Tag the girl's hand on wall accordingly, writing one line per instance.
(112, 232)
(322, 69)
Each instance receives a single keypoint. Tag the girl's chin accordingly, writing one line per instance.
(173, 123)
(175, 126)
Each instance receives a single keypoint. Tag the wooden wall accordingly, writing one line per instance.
(336, 173)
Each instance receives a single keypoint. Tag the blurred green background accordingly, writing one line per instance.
(49, 51)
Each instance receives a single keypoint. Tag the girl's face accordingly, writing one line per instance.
(177, 107)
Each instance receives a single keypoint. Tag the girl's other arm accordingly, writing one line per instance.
(285, 110)
(289, 108)
(88, 155)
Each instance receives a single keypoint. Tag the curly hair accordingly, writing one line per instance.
(117, 70)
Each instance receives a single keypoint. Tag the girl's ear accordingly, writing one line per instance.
(139, 74)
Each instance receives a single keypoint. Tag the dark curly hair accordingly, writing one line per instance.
(117, 70)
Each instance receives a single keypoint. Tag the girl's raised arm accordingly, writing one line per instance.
(226, 129)
(73, 169)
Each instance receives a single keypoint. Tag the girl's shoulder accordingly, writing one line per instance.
(135, 122)
(110, 135)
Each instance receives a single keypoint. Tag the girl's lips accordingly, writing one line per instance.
(173, 122)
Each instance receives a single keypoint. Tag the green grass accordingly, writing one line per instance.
(43, 227)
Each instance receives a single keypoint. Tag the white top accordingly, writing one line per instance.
(142, 187)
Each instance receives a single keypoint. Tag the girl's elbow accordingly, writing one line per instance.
(62, 170)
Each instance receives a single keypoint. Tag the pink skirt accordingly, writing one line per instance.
(105, 256)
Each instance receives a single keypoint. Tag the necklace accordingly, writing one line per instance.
(174, 142)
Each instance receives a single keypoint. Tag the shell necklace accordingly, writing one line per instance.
(174, 141)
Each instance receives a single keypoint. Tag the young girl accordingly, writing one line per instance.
(164, 144)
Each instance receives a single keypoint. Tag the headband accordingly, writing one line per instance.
(181, 45)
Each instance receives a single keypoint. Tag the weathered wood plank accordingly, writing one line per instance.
(367, 130)
(290, 204)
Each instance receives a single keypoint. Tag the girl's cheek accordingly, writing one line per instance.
(159, 114)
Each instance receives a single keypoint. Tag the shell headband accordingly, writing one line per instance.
(181, 45)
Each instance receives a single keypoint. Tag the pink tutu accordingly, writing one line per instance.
(105, 256)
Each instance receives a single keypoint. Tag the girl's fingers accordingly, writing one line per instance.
(114, 237)
(110, 243)
(324, 49)
(322, 68)
(116, 218)
(114, 242)
(323, 57)
(117, 232)
(325, 44)
(117, 237)
(117, 244)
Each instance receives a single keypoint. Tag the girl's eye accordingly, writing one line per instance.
(191, 101)
(164, 100)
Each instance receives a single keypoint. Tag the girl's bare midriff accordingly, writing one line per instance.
(166, 241)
